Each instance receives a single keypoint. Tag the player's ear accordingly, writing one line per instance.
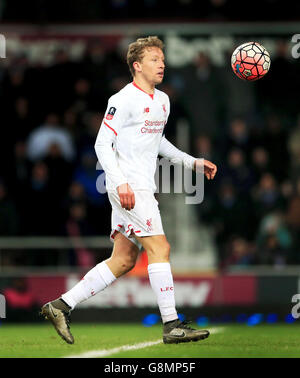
(137, 66)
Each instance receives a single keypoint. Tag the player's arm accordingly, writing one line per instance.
(106, 138)
(176, 156)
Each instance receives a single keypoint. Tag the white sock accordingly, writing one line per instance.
(161, 281)
(96, 280)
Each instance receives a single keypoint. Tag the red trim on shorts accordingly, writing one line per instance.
(149, 94)
(110, 127)
(128, 229)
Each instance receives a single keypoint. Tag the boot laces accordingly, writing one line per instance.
(184, 325)
(67, 318)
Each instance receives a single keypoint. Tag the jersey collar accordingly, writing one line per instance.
(151, 95)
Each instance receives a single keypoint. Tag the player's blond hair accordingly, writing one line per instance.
(136, 50)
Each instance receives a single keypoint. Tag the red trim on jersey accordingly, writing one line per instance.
(110, 127)
(151, 95)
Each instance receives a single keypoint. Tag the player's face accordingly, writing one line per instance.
(152, 65)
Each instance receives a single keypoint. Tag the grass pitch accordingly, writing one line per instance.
(233, 341)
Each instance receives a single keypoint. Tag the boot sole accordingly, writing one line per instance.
(186, 339)
(45, 311)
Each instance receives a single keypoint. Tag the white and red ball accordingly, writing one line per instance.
(250, 61)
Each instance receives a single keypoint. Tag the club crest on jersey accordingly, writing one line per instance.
(146, 110)
(164, 108)
(111, 113)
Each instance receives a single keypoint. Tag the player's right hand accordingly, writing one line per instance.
(126, 196)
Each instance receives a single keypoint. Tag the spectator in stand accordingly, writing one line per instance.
(76, 194)
(287, 190)
(267, 196)
(18, 177)
(260, 162)
(239, 253)
(50, 132)
(274, 241)
(205, 148)
(82, 98)
(273, 253)
(72, 124)
(238, 171)
(238, 137)
(22, 122)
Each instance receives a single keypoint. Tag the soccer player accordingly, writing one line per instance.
(128, 143)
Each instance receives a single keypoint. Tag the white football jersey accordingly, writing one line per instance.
(131, 137)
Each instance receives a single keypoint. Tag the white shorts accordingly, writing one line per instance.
(143, 220)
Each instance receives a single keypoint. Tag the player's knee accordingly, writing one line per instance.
(161, 252)
(127, 262)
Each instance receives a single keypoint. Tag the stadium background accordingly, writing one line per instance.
(237, 252)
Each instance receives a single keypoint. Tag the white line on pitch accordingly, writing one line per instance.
(124, 348)
(108, 352)
(215, 330)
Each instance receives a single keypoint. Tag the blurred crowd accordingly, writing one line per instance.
(43, 11)
(50, 116)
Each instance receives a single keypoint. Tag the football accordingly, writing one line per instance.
(250, 61)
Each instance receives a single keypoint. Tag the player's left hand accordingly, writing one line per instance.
(206, 167)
